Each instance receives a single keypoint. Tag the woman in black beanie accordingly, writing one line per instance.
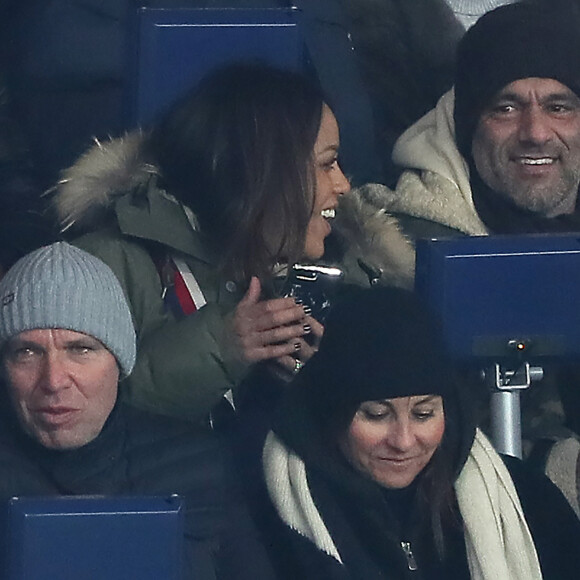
(375, 467)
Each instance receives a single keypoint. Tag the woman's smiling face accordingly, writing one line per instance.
(392, 440)
(330, 184)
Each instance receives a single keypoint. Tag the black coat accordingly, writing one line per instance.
(554, 528)
(140, 453)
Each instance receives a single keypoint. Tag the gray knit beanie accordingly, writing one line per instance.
(61, 286)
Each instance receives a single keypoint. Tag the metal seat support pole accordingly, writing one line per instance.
(506, 427)
(506, 385)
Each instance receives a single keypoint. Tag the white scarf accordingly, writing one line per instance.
(499, 543)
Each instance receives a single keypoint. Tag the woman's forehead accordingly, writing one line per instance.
(410, 400)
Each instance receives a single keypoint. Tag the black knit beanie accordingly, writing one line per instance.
(380, 344)
(512, 42)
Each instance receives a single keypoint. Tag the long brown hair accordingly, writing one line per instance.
(238, 152)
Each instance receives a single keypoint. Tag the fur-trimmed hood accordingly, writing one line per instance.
(373, 244)
(87, 192)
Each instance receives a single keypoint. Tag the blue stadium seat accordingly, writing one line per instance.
(171, 49)
(174, 48)
(507, 305)
(93, 537)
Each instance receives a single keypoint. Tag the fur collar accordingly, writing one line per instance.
(88, 190)
(373, 244)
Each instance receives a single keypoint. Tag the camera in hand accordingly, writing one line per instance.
(314, 286)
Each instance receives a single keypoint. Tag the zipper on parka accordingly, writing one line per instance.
(411, 562)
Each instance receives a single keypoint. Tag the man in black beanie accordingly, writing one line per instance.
(517, 118)
(498, 155)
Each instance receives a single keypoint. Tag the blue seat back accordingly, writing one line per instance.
(174, 48)
(94, 537)
(493, 292)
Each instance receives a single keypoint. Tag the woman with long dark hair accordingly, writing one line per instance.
(198, 216)
(375, 468)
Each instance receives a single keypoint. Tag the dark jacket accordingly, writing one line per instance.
(405, 52)
(140, 453)
(554, 527)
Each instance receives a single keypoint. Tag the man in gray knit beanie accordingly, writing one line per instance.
(67, 336)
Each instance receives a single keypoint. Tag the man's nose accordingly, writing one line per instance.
(534, 126)
(55, 374)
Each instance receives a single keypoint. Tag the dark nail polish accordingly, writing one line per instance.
(307, 328)
(298, 301)
(307, 310)
(297, 346)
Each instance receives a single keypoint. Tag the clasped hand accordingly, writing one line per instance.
(274, 329)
